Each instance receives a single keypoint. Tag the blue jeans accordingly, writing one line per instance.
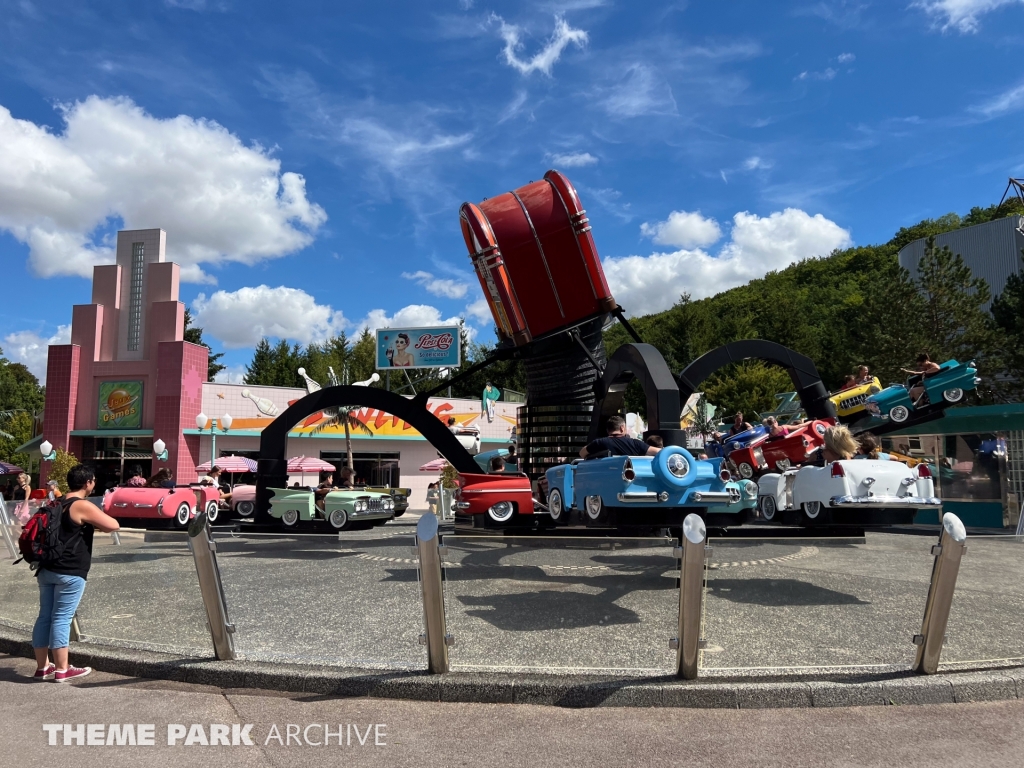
(59, 596)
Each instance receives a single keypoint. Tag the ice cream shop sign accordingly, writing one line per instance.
(120, 405)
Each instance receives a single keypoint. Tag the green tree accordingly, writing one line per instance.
(749, 386)
(60, 467)
(194, 335)
(276, 366)
(16, 428)
(1008, 312)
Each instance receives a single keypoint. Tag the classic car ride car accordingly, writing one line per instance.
(796, 448)
(851, 403)
(342, 509)
(177, 505)
(496, 500)
(642, 491)
(857, 491)
(940, 390)
(742, 451)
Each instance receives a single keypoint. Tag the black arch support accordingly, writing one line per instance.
(809, 387)
(644, 363)
(272, 470)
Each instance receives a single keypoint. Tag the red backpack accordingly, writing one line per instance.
(40, 541)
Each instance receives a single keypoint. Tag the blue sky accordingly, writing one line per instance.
(308, 160)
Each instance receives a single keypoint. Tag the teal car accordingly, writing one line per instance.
(342, 509)
(941, 390)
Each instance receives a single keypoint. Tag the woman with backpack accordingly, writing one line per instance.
(62, 574)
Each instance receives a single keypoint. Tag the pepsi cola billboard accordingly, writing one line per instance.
(436, 347)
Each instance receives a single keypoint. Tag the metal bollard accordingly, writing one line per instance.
(204, 552)
(76, 630)
(115, 538)
(435, 637)
(947, 553)
(691, 594)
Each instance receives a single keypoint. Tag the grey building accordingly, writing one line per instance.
(991, 250)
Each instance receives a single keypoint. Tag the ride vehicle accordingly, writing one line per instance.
(468, 437)
(243, 500)
(796, 448)
(848, 492)
(177, 505)
(851, 403)
(342, 509)
(498, 500)
(640, 491)
(743, 452)
(940, 390)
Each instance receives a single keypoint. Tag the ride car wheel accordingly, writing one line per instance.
(811, 509)
(899, 414)
(502, 512)
(768, 507)
(290, 518)
(182, 515)
(954, 395)
(556, 505)
(338, 519)
(212, 512)
(245, 508)
(594, 508)
(745, 470)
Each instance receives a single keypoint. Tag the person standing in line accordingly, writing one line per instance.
(62, 582)
(488, 399)
(20, 497)
(433, 496)
(53, 491)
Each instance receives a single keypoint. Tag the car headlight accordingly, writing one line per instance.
(360, 506)
(389, 504)
(678, 465)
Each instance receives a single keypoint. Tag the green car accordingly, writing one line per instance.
(342, 509)
(398, 495)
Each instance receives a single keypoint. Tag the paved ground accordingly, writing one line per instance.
(545, 604)
(988, 735)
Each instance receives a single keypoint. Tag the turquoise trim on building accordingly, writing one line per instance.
(973, 514)
(111, 432)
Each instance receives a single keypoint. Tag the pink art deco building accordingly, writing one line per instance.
(128, 377)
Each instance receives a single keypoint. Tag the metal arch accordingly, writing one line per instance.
(272, 468)
(644, 363)
(812, 392)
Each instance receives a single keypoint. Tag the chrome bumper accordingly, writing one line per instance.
(715, 497)
(642, 496)
(885, 501)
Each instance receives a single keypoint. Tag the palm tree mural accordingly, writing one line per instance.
(334, 417)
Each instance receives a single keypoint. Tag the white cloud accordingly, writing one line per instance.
(544, 59)
(646, 284)
(449, 289)
(961, 15)
(412, 316)
(218, 199)
(846, 58)
(827, 74)
(574, 160)
(241, 318)
(30, 349)
(233, 374)
(683, 229)
(1011, 100)
(481, 311)
(756, 163)
(639, 90)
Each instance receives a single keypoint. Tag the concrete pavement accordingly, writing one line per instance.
(440, 734)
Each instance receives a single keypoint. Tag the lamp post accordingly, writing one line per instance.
(225, 422)
(160, 449)
(49, 453)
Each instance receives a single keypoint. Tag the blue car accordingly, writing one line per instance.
(641, 491)
(941, 390)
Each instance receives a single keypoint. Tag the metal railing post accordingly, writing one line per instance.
(75, 633)
(204, 552)
(947, 554)
(12, 548)
(691, 593)
(435, 636)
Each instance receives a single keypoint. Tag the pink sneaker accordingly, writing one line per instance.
(45, 674)
(70, 673)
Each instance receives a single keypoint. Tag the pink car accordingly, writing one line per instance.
(178, 504)
(243, 500)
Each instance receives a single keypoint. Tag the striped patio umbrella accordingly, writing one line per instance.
(10, 469)
(434, 466)
(230, 464)
(308, 464)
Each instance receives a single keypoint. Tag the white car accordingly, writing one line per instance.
(858, 491)
(468, 437)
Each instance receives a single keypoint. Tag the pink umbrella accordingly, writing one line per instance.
(304, 464)
(230, 464)
(9, 469)
(434, 466)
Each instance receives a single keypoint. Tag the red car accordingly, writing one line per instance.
(178, 504)
(795, 448)
(495, 501)
(750, 460)
(536, 259)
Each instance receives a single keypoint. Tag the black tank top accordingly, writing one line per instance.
(76, 559)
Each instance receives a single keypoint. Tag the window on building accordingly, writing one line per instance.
(135, 297)
(376, 469)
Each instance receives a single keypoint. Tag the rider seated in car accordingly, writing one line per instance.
(777, 431)
(926, 369)
(618, 442)
(739, 425)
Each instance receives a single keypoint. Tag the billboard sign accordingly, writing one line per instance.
(436, 347)
(120, 405)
